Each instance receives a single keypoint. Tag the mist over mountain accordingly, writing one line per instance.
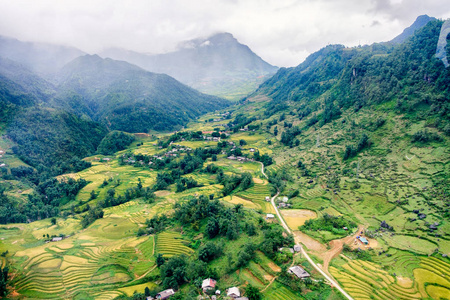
(213, 65)
(41, 58)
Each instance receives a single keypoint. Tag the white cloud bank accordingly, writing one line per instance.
(282, 32)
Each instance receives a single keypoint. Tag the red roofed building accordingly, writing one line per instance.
(208, 284)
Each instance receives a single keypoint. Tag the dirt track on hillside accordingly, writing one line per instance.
(337, 246)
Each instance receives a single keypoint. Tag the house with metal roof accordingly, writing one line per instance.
(233, 292)
(298, 271)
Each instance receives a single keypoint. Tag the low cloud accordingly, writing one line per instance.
(283, 32)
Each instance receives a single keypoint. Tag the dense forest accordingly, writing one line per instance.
(54, 141)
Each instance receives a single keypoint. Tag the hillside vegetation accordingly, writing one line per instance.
(352, 144)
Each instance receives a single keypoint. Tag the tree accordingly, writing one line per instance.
(147, 291)
(111, 193)
(212, 228)
(253, 293)
(93, 195)
(53, 220)
(160, 260)
(3, 281)
(242, 142)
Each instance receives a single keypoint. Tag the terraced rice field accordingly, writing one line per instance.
(280, 292)
(64, 269)
(171, 243)
(257, 195)
(366, 280)
(257, 192)
(244, 202)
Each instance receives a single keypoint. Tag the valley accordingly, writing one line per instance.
(329, 181)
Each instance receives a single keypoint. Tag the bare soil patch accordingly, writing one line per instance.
(258, 180)
(268, 277)
(309, 242)
(274, 267)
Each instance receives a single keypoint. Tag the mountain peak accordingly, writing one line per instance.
(420, 21)
(223, 37)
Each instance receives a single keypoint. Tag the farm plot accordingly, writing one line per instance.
(366, 280)
(244, 202)
(171, 243)
(297, 217)
(257, 194)
(64, 269)
(278, 291)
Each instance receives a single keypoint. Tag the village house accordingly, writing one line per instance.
(363, 240)
(57, 239)
(297, 248)
(270, 216)
(233, 292)
(298, 271)
(289, 249)
(267, 198)
(166, 294)
(208, 284)
(283, 205)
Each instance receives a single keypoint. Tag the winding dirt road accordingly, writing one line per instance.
(283, 223)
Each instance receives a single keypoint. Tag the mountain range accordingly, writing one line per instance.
(67, 84)
(217, 65)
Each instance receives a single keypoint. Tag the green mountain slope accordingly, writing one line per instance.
(217, 65)
(337, 78)
(54, 140)
(125, 97)
(20, 88)
(409, 31)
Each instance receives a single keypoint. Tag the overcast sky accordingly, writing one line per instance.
(282, 32)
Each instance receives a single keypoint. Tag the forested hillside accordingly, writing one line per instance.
(54, 140)
(338, 78)
(124, 97)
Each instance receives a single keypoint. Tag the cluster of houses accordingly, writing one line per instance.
(232, 292)
(208, 285)
(297, 248)
(173, 152)
(283, 202)
(239, 158)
